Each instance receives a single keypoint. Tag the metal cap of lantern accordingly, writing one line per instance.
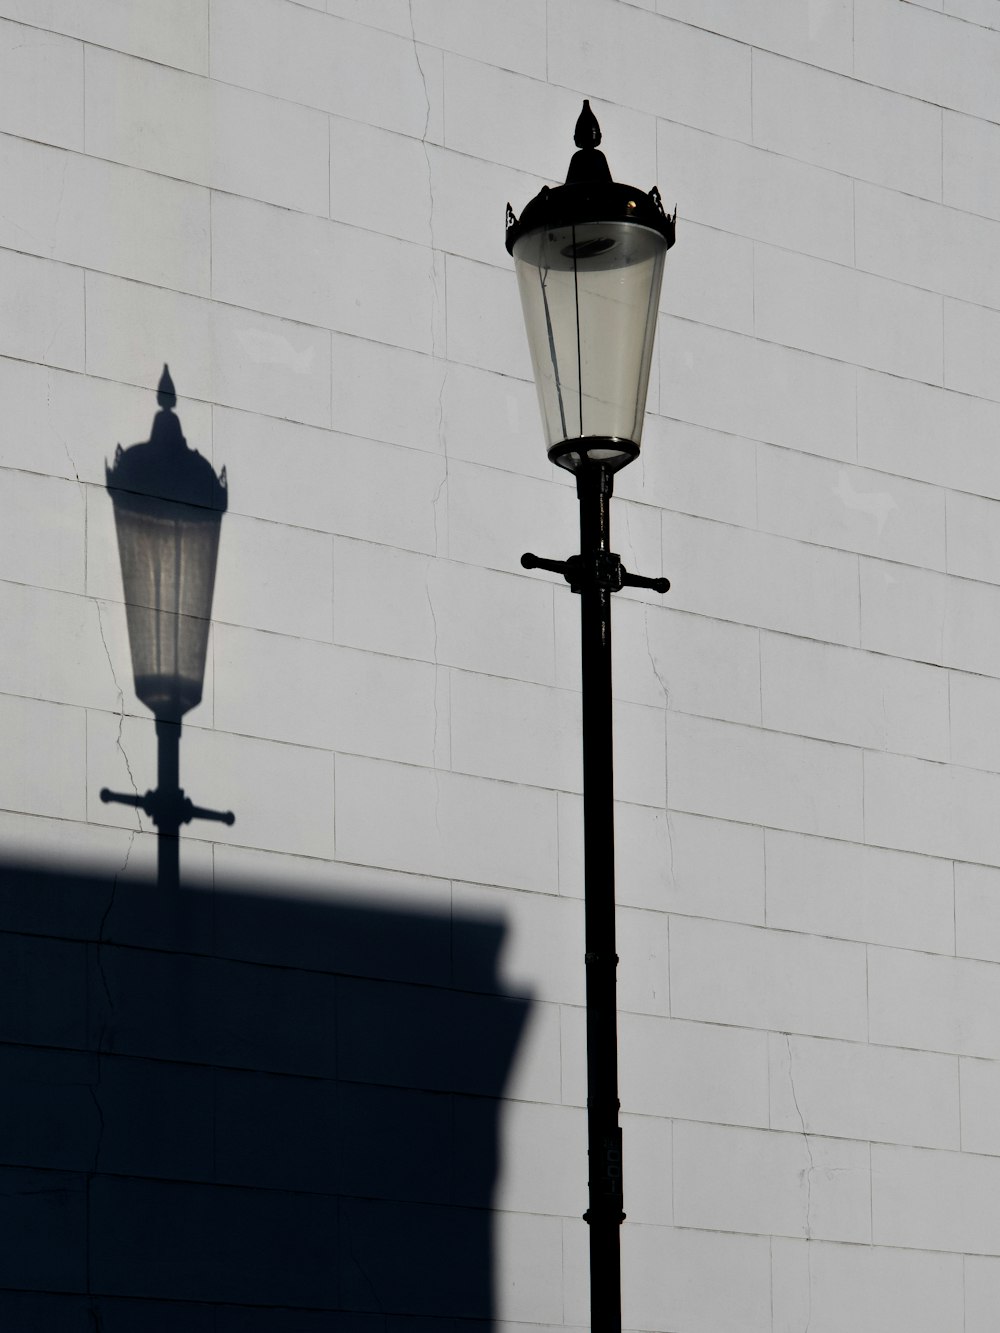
(168, 507)
(589, 257)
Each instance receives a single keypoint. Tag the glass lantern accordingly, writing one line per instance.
(589, 259)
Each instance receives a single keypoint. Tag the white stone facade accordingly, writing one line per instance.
(299, 205)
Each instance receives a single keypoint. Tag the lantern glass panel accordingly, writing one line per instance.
(590, 295)
(168, 556)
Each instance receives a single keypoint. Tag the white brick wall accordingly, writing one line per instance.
(298, 204)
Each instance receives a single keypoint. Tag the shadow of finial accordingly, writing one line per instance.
(166, 394)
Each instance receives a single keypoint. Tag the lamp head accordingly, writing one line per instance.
(589, 256)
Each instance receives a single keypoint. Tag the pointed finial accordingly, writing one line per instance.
(588, 164)
(166, 394)
(587, 133)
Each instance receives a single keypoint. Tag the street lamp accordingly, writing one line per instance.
(589, 258)
(168, 507)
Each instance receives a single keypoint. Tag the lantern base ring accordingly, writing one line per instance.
(612, 452)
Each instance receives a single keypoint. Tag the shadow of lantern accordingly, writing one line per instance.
(168, 506)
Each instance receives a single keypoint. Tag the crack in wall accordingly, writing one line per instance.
(943, 630)
(442, 485)
(439, 301)
(435, 501)
(654, 666)
(72, 462)
(885, 721)
(25, 231)
(62, 441)
(367, 1279)
(437, 665)
(121, 715)
(59, 204)
(436, 306)
(805, 1136)
(809, 1287)
(427, 160)
(808, 1179)
(421, 72)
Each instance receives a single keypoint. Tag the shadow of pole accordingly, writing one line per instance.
(168, 506)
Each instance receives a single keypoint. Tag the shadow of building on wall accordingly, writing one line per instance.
(237, 1111)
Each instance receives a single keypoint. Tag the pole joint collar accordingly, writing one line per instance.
(598, 570)
(170, 808)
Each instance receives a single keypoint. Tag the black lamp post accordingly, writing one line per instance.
(589, 257)
(168, 506)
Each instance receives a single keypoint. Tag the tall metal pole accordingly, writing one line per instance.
(595, 574)
(604, 1137)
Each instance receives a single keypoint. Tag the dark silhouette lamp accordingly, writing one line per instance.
(168, 507)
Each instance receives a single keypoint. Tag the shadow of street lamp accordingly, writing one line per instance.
(168, 506)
